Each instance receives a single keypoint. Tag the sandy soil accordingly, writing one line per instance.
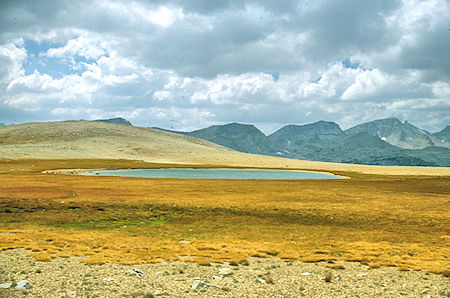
(263, 277)
(87, 139)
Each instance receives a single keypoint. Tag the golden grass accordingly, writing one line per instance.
(382, 220)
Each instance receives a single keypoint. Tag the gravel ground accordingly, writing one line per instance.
(271, 277)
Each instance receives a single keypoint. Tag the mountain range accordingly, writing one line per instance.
(380, 142)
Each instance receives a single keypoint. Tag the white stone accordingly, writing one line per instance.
(108, 279)
(198, 285)
(305, 273)
(225, 271)
(360, 275)
(157, 293)
(23, 285)
(6, 285)
(216, 277)
(261, 280)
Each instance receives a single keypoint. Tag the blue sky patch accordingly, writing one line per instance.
(275, 76)
(317, 80)
(350, 64)
(54, 67)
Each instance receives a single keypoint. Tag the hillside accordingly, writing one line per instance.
(443, 136)
(96, 139)
(403, 135)
(103, 140)
(240, 137)
(306, 141)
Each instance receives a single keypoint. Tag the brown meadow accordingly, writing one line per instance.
(380, 220)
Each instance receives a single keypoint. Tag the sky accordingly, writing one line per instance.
(186, 65)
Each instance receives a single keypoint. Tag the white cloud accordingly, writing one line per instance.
(11, 58)
(367, 84)
(81, 46)
(188, 64)
(162, 95)
(34, 82)
(164, 16)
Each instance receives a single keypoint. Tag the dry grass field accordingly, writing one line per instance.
(380, 220)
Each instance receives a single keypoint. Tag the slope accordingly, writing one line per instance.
(240, 137)
(393, 131)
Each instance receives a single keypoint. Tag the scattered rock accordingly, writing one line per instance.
(337, 278)
(405, 286)
(328, 276)
(216, 277)
(198, 285)
(225, 271)
(6, 285)
(305, 273)
(136, 272)
(185, 242)
(23, 285)
(71, 293)
(108, 279)
(157, 293)
(361, 275)
(261, 280)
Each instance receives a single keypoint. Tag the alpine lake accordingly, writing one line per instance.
(194, 173)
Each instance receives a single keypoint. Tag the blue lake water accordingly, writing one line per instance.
(215, 174)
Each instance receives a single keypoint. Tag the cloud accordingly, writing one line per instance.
(186, 64)
(11, 59)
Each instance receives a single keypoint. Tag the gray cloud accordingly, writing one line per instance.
(195, 63)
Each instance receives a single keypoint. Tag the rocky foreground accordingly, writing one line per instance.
(261, 277)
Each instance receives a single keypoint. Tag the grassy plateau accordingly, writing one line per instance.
(381, 220)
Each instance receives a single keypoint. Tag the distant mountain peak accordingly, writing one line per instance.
(443, 136)
(393, 131)
(325, 124)
(237, 136)
(239, 125)
(312, 129)
(118, 120)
